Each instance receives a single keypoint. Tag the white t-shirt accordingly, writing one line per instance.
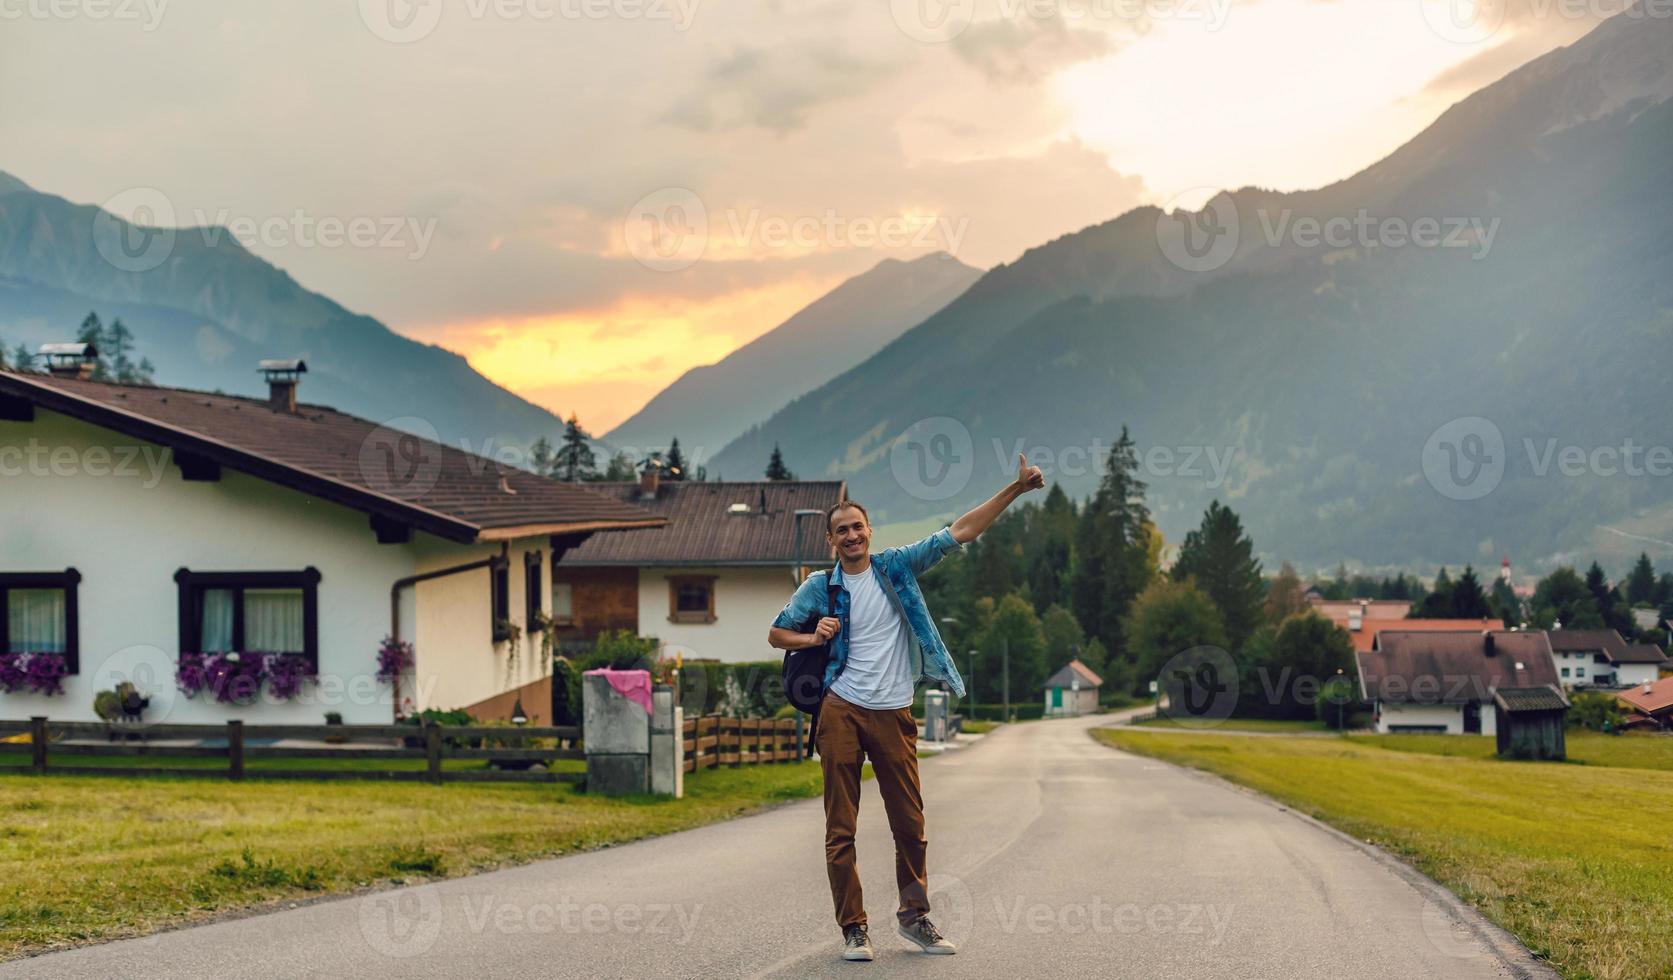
(878, 673)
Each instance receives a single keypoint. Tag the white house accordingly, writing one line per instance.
(144, 530)
(1641, 663)
(1603, 658)
(710, 582)
(1456, 682)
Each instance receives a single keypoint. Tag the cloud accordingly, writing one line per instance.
(1027, 50)
(775, 88)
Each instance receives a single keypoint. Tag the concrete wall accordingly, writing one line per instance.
(1082, 702)
(746, 601)
(1631, 675)
(1449, 715)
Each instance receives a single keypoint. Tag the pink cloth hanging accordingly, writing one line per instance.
(635, 685)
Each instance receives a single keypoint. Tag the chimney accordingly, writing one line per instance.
(1649, 686)
(650, 478)
(282, 379)
(1487, 644)
(75, 361)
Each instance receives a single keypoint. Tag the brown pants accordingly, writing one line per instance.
(849, 734)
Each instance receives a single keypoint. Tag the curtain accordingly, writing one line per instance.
(273, 620)
(35, 620)
(215, 629)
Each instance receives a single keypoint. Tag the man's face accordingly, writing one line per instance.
(849, 533)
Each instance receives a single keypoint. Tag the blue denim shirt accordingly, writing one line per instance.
(897, 570)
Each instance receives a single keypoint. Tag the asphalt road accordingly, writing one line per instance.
(1050, 855)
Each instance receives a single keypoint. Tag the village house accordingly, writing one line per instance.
(184, 541)
(708, 583)
(1649, 705)
(1459, 682)
(1603, 658)
(1072, 691)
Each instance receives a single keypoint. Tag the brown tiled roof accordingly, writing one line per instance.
(1072, 671)
(1514, 699)
(1453, 667)
(1657, 700)
(338, 457)
(1366, 636)
(1641, 653)
(1607, 642)
(702, 530)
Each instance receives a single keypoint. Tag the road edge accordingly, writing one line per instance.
(1511, 953)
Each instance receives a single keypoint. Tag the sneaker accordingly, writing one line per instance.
(923, 932)
(856, 945)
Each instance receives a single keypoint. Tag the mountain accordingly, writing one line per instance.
(709, 406)
(211, 309)
(1322, 372)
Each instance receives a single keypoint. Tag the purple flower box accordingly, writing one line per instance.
(38, 673)
(238, 678)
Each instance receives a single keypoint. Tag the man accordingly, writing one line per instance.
(883, 641)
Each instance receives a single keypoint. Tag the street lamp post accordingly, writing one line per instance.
(1338, 701)
(1005, 665)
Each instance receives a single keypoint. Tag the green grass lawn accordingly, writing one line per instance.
(85, 858)
(1274, 725)
(1633, 751)
(1569, 857)
(979, 727)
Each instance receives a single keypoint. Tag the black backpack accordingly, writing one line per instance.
(803, 674)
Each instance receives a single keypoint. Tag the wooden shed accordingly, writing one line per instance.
(1530, 722)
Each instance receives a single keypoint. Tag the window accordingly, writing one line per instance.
(691, 598)
(563, 602)
(1580, 672)
(531, 587)
(250, 612)
(38, 614)
(499, 598)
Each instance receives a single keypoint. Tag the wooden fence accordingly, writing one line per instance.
(713, 741)
(431, 743)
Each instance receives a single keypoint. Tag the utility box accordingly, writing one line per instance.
(935, 716)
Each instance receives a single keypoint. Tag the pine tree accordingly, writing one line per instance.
(1468, 601)
(23, 359)
(1051, 532)
(1641, 584)
(574, 461)
(92, 331)
(1111, 564)
(121, 341)
(776, 470)
(620, 468)
(1222, 560)
(674, 462)
(541, 457)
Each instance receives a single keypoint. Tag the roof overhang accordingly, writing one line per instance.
(573, 527)
(314, 484)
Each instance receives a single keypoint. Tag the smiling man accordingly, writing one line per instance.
(883, 641)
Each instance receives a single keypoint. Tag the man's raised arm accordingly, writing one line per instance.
(967, 528)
